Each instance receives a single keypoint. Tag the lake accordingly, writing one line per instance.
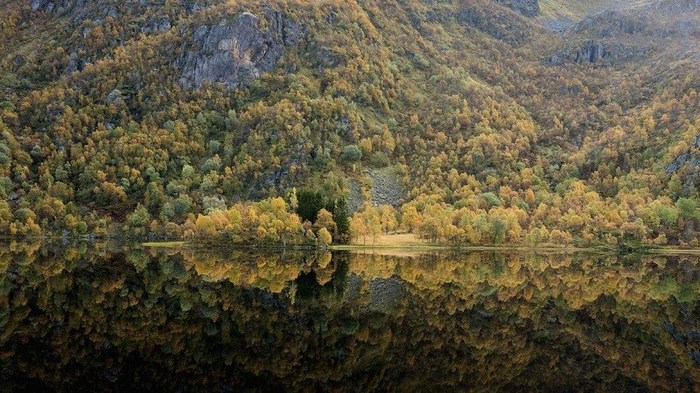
(104, 318)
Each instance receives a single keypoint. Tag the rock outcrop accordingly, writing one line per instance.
(529, 8)
(687, 165)
(596, 52)
(685, 158)
(612, 24)
(499, 24)
(234, 53)
(47, 5)
(157, 24)
(605, 39)
(97, 11)
(80, 10)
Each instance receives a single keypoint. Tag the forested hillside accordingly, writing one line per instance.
(471, 122)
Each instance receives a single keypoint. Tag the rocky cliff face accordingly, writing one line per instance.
(599, 52)
(235, 52)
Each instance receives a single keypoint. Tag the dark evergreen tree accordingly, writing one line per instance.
(310, 203)
(342, 221)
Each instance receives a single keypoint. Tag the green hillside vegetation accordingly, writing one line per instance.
(171, 120)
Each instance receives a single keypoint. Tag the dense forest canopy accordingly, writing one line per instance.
(473, 122)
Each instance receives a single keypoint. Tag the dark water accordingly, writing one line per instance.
(113, 319)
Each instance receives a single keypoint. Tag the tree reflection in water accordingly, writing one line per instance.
(114, 319)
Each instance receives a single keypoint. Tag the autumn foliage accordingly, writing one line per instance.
(493, 144)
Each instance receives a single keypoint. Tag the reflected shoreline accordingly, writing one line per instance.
(182, 319)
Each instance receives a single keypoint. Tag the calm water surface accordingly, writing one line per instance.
(105, 318)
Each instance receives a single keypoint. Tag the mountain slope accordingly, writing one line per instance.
(186, 107)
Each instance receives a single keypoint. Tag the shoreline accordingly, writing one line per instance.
(439, 248)
(420, 248)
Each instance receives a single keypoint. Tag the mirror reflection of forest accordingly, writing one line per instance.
(108, 318)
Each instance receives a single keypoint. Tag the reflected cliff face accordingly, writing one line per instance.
(109, 319)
